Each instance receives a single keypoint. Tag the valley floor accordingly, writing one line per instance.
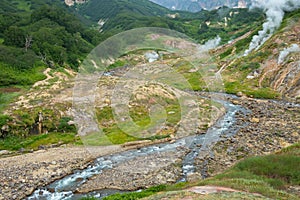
(271, 127)
(21, 175)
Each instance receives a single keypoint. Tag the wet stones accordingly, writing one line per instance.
(270, 127)
(21, 175)
(154, 169)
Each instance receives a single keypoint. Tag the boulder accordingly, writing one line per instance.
(239, 94)
(255, 120)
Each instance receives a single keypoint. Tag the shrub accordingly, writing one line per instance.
(64, 125)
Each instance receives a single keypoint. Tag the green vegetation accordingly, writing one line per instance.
(266, 175)
(40, 35)
(6, 98)
(11, 76)
(4, 119)
(33, 142)
(137, 195)
(117, 133)
(63, 125)
(269, 176)
(129, 14)
(96, 10)
(35, 35)
(245, 88)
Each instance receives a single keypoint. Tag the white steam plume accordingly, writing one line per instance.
(211, 44)
(274, 10)
(283, 54)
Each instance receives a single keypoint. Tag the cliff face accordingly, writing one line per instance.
(197, 5)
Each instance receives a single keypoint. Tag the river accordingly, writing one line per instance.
(227, 125)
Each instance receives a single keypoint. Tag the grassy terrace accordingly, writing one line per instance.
(35, 141)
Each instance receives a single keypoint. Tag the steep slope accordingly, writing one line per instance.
(35, 36)
(106, 9)
(116, 16)
(197, 5)
(60, 40)
(272, 70)
(39, 35)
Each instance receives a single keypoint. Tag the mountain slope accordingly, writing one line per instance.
(40, 36)
(197, 5)
(116, 16)
(106, 9)
(272, 70)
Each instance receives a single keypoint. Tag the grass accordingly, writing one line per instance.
(33, 142)
(262, 93)
(117, 64)
(11, 76)
(6, 98)
(132, 195)
(141, 122)
(137, 195)
(109, 136)
(96, 139)
(268, 175)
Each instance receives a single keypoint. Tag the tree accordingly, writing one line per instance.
(14, 36)
(28, 41)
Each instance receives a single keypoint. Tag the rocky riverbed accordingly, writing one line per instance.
(140, 172)
(271, 126)
(21, 175)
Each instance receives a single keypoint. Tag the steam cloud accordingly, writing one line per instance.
(274, 10)
(211, 44)
(283, 54)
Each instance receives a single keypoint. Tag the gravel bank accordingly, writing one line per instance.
(21, 175)
(271, 126)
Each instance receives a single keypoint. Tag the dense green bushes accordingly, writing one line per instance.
(13, 76)
(64, 125)
(35, 33)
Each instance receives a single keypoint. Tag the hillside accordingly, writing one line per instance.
(202, 26)
(49, 41)
(272, 70)
(107, 97)
(40, 36)
(197, 5)
(36, 35)
(104, 9)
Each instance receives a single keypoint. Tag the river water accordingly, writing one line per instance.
(65, 188)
